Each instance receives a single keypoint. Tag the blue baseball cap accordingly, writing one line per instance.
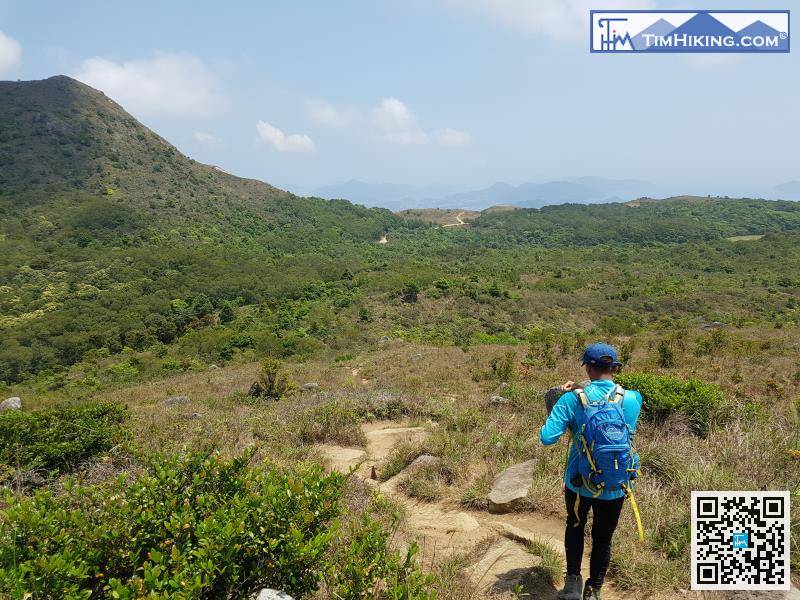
(601, 355)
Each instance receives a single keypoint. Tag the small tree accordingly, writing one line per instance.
(226, 313)
(410, 292)
(626, 351)
(272, 382)
(666, 356)
(504, 367)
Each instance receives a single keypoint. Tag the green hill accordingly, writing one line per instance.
(103, 224)
(119, 253)
(77, 168)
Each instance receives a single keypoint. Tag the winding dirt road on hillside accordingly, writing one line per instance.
(459, 221)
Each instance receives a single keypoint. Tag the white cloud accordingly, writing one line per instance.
(452, 138)
(559, 19)
(207, 139)
(325, 113)
(390, 121)
(280, 141)
(10, 52)
(395, 123)
(170, 84)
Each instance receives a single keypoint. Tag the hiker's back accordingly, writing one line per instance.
(603, 432)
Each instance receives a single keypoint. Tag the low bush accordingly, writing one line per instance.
(664, 395)
(272, 383)
(191, 527)
(335, 421)
(364, 566)
(60, 439)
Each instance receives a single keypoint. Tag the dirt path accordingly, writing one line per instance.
(459, 220)
(499, 541)
(500, 561)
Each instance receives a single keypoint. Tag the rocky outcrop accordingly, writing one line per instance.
(13, 403)
(270, 594)
(175, 400)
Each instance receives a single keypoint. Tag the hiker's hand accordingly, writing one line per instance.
(569, 386)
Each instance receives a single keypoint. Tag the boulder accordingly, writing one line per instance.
(270, 594)
(13, 403)
(309, 387)
(511, 487)
(173, 400)
(499, 400)
(422, 461)
(384, 340)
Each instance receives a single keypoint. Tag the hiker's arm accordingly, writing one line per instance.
(558, 420)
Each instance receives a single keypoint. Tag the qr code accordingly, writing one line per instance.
(740, 541)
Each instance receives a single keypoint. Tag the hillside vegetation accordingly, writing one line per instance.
(189, 346)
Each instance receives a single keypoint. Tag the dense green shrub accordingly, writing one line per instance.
(272, 382)
(59, 439)
(191, 527)
(664, 395)
(366, 565)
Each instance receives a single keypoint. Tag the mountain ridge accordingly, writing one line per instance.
(69, 153)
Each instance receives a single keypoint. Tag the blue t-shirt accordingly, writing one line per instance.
(562, 417)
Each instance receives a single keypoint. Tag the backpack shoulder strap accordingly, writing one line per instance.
(581, 394)
(617, 394)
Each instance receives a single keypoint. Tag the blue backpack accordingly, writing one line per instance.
(607, 460)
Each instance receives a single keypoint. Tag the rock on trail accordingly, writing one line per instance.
(340, 458)
(382, 436)
(504, 567)
(511, 487)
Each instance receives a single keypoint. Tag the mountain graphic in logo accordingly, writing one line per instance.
(759, 28)
(703, 24)
(660, 28)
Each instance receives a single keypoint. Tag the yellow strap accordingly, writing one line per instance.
(635, 507)
(588, 454)
(575, 508)
(617, 394)
(582, 397)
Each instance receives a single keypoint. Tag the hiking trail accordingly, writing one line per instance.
(459, 221)
(498, 541)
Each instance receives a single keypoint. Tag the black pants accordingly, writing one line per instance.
(605, 515)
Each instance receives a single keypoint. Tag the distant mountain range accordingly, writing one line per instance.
(585, 190)
(386, 195)
(579, 190)
(787, 191)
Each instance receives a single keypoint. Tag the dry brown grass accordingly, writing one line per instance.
(475, 439)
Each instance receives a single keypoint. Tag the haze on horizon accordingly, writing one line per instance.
(456, 93)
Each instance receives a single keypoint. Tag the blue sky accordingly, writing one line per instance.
(462, 92)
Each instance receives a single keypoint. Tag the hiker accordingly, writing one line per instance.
(602, 462)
